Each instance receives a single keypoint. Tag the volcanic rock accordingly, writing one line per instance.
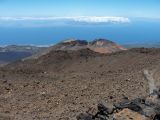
(137, 109)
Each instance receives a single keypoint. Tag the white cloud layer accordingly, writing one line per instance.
(79, 19)
(102, 19)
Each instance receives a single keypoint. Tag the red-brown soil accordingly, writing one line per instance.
(61, 84)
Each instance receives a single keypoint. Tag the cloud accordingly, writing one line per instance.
(60, 21)
(102, 19)
(86, 19)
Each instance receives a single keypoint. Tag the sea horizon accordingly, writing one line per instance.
(137, 31)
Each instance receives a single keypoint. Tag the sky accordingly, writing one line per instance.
(47, 21)
(62, 8)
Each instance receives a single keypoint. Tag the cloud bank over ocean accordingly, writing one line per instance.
(101, 19)
(88, 19)
(46, 21)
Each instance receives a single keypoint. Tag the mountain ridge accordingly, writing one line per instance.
(103, 46)
(13, 53)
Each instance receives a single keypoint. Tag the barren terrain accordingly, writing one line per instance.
(62, 84)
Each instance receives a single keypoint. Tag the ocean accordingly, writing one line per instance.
(139, 31)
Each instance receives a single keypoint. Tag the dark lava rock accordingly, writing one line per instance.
(138, 109)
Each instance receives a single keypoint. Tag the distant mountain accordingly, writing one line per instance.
(104, 46)
(7, 57)
(98, 45)
(16, 48)
(12, 53)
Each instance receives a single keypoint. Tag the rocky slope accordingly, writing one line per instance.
(144, 108)
(64, 83)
